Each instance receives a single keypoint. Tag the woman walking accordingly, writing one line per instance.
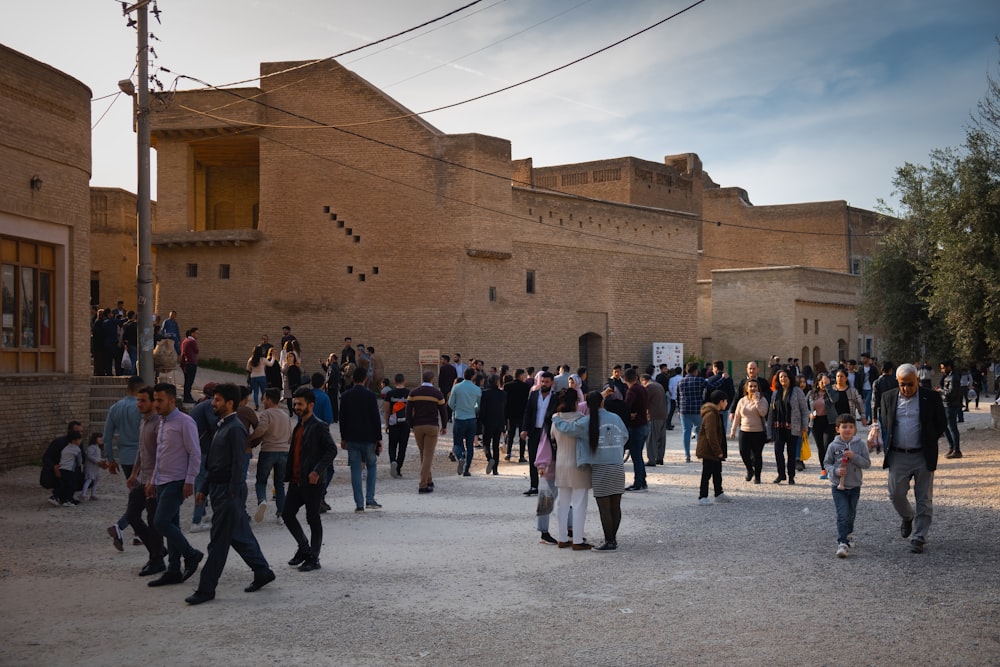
(257, 367)
(789, 416)
(749, 421)
(823, 416)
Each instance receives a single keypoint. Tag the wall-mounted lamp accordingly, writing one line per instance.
(36, 182)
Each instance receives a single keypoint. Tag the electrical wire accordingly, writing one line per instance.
(98, 121)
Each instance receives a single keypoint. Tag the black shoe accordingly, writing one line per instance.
(756, 480)
(309, 565)
(301, 556)
(906, 528)
(531, 492)
(451, 457)
(199, 597)
(324, 507)
(916, 546)
(953, 454)
(659, 462)
(168, 578)
(425, 489)
(522, 460)
(191, 565)
(749, 476)
(650, 464)
(507, 458)
(547, 539)
(791, 481)
(466, 474)
(260, 580)
(119, 541)
(779, 479)
(152, 567)
(373, 505)
(607, 546)
(430, 485)
(800, 466)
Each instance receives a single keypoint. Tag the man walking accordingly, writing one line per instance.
(396, 426)
(517, 400)
(178, 458)
(361, 436)
(425, 411)
(141, 475)
(656, 443)
(464, 404)
(273, 433)
(189, 361)
(637, 402)
(122, 421)
(951, 394)
(310, 453)
(690, 396)
(913, 419)
(225, 486)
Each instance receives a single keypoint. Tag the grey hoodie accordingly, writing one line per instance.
(835, 456)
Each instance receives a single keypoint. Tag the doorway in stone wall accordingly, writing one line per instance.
(592, 357)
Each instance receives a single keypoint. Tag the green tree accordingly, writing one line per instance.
(933, 286)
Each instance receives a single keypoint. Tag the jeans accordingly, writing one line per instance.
(691, 424)
(866, 395)
(951, 431)
(358, 453)
(636, 443)
(464, 432)
(846, 502)
(266, 462)
(258, 385)
(167, 522)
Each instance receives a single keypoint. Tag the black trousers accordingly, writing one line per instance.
(310, 495)
(230, 528)
(399, 434)
(534, 437)
(514, 431)
(710, 470)
(752, 451)
(151, 539)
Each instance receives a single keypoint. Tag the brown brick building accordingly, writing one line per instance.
(44, 255)
(317, 201)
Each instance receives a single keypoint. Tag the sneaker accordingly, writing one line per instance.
(54, 501)
(373, 505)
(704, 501)
(955, 454)
(842, 550)
(394, 470)
(607, 546)
(850, 540)
(547, 539)
(916, 546)
(199, 527)
(69, 503)
(722, 498)
(823, 475)
(136, 542)
(490, 465)
(261, 511)
(461, 465)
(116, 536)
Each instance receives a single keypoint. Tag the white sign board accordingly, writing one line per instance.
(429, 357)
(671, 354)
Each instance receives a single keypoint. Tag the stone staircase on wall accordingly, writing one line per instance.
(104, 392)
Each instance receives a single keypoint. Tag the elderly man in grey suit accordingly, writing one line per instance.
(913, 421)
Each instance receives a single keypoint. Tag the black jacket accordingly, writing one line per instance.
(359, 417)
(318, 450)
(932, 424)
(226, 454)
(531, 411)
(493, 409)
(517, 399)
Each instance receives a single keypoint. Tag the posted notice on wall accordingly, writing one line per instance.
(671, 354)
(429, 357)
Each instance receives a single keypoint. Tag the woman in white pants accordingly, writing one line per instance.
(572, 483)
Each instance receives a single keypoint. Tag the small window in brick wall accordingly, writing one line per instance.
(223, 272)
(192, 271)
(493, 294)
(361, 277)
(530, 283)
(350, 269)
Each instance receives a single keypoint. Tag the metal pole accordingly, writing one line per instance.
(144, 271)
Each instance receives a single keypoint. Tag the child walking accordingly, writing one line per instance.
(711, 447)
(845, 459)
(92, 464)
(67, 470)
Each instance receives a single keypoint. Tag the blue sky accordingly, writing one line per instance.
(794, 101)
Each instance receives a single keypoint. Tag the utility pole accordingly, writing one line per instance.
(144, 270)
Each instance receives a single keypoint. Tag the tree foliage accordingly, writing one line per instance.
(933, 286)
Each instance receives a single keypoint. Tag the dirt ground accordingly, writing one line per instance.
(459, 577)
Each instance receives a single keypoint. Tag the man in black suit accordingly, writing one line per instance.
(912, 422)
(537, 419)
(517, 401)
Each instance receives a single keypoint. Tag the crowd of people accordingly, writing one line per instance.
(574, 437)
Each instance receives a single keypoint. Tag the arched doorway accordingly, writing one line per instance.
(592, 357)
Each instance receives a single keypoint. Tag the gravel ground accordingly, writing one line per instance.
(459, 577)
